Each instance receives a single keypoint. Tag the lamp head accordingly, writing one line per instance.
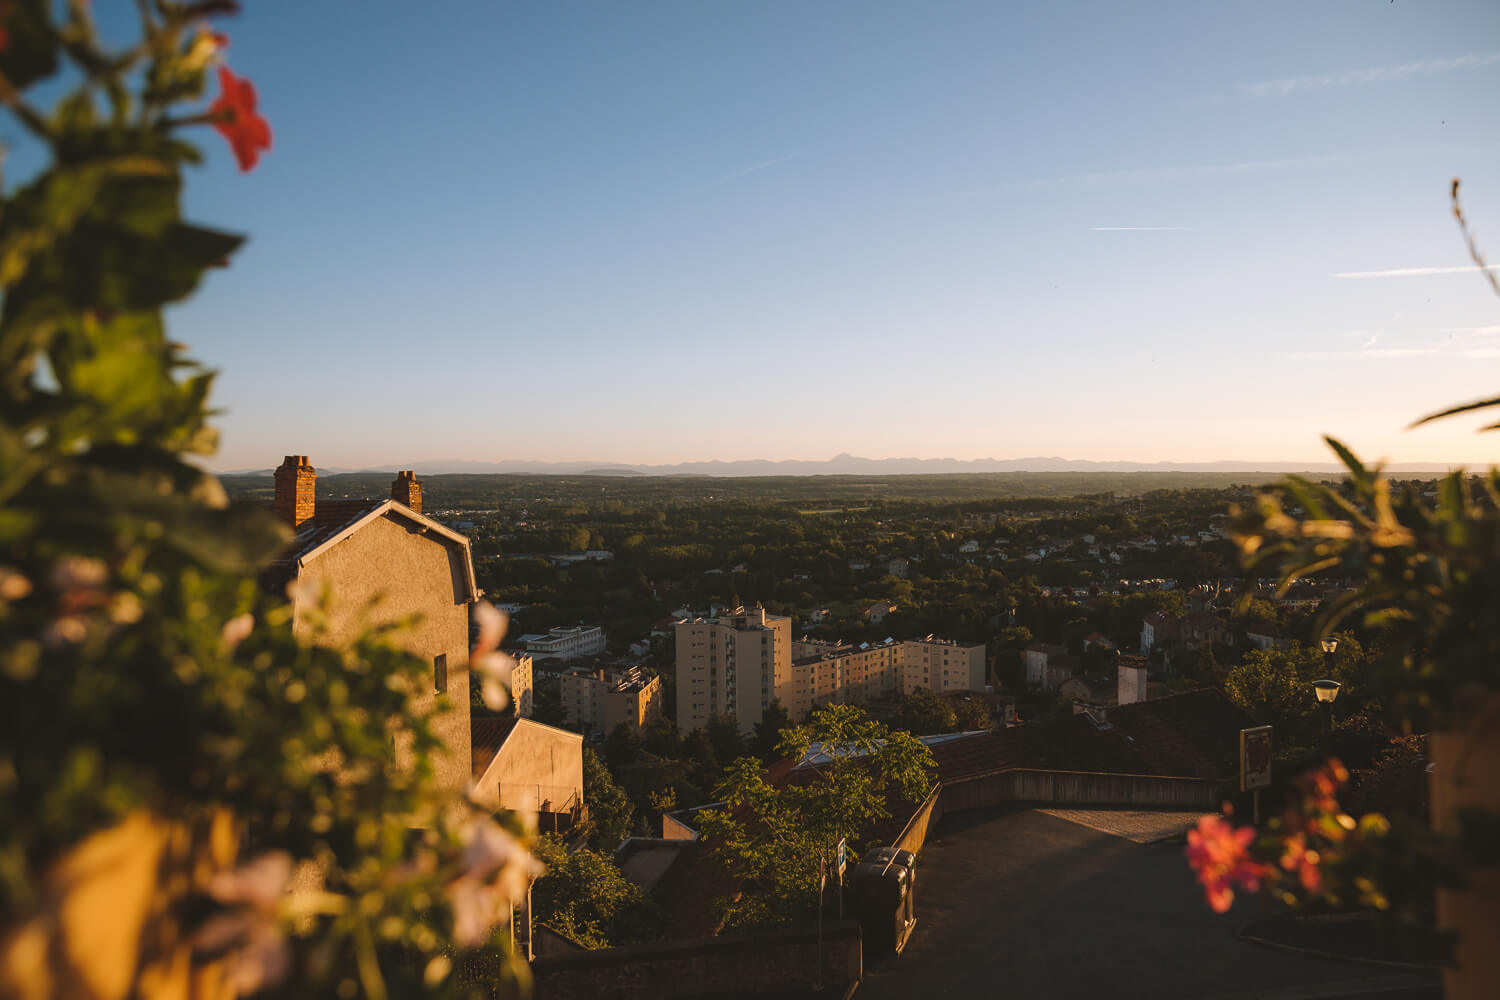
(1329, 645)
(1326, 690)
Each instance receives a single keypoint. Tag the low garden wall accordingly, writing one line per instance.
(768, 963)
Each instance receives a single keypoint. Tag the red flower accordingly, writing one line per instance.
(235, 118)
(1220, 855)
(1297, 856)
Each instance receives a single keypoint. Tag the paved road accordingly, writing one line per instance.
(1141, 826)
(1017, 903)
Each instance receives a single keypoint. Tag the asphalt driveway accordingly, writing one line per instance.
(1017, 903)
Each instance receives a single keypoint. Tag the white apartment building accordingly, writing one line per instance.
(735, 664)
(565, 643)
(731, 665)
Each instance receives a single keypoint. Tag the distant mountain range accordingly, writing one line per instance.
(849, 465)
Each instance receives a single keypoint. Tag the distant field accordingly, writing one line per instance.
(808, 494)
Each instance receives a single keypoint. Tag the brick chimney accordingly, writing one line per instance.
(405, 489)
(1132, 680)
(295, 501)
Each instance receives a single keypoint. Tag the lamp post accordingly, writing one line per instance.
(1326, 691)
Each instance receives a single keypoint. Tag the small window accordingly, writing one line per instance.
(440, 673)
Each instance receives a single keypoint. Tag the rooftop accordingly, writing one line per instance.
(1192, 735)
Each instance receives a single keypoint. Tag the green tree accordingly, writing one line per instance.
(1274, 686)
(775, 720)
(584, 895)
(724, 735)
(769, 838)
(659, 736)
(924, 712)
(622, 745)
(971, 714)
(610, 811)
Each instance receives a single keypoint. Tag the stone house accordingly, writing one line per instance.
(1048, 665)
(378, 561)
(526, 766)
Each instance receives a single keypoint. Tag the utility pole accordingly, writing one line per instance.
(822, 881)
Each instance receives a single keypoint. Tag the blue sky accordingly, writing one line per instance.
(641, 232)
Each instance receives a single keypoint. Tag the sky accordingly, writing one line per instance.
(660, 232)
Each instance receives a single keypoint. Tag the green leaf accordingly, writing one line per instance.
(1357, 471)
(31, 50)
(1482, 404)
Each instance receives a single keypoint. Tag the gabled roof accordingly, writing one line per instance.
(335, 520)
(486, 736)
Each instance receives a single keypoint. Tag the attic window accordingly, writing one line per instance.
(440, 673)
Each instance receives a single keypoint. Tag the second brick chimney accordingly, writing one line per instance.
(295, 497)
(405, 489)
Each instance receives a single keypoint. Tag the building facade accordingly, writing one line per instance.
(720, 660)
(600, 700)
(565, 643)
(731, 665)
(522, 685)
(380, 561)
(523, 765)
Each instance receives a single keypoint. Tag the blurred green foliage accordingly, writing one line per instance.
(142, 671)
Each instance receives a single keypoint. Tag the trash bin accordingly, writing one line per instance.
(882, 897)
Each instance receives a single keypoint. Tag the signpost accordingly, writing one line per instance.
(1255, 762)
(843, 862)
(822, 881)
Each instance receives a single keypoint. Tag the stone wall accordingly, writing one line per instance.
(770, 963)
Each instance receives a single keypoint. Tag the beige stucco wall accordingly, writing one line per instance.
(634, 707)
(390, 562)
(538, 769)
(761, 653)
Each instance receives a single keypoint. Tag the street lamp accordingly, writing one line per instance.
(1326, 691)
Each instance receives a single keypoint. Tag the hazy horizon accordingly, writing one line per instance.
(841, 464)
(658, 232)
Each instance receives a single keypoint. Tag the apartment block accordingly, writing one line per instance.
(565, 643)
(826, 672)
(732, 665)
(521, 685)
(600, 699)
(941, 665)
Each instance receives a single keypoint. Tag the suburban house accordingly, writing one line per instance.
(1048, 665)
(1264, 635)
(1158, 629)
(523, 765)
(379, 561)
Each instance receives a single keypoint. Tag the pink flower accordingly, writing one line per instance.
(247, 929)
(497, 870)
(237, 629)
(492, 622)
(1220, 855)
(493, 666)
